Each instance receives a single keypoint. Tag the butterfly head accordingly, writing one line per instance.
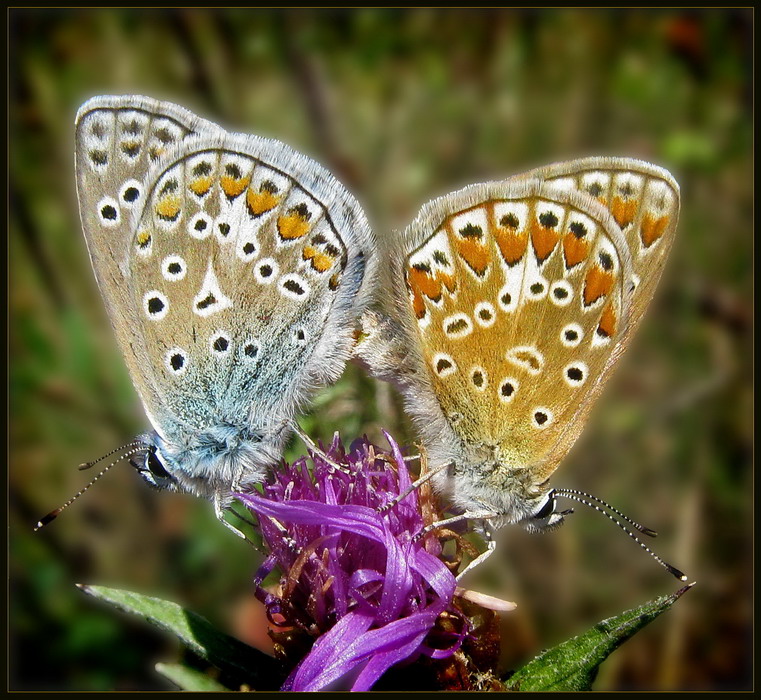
(546, 517)
(217, 460)
(516, 500)
(152, 467)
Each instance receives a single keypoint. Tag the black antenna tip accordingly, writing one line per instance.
(49, 518)
(85, 465)
(647, 531)
(675, 572)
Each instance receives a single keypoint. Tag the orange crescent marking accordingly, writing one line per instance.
(597, 284)
(474, 254)
(652, 229)
(232, 187)
(575, 250)
(200, 186)
(623, 211)
(423, 282)
(608, 320)
(418, 305)
(260, 202)
(292, 226)
(169, 207)
(320, 261)
(448, 281)
(512, 245)
(544, 240)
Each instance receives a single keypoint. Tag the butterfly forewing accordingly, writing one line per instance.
(117, 143)
(118, 140)
(236, 270)
(519, 301)
(644, 202)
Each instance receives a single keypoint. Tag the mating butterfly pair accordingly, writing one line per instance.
(236, 271)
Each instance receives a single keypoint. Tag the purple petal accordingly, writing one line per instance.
(358, 519)
(380, 663)
(312, 673)
(436, 573)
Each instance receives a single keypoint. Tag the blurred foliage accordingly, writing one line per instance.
(403, 105)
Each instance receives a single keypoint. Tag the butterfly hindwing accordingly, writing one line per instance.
(517, 293)
(239, 272)
(512, 302)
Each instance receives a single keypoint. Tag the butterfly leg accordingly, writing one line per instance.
(487, 531)
(314, 449)
(244, 519)
(240, 517)
(219, 511)
(415, 485)
(474, 515)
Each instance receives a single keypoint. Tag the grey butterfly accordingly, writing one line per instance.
(510, 304)
(233, 269)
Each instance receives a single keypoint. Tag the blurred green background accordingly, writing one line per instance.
(402, 106)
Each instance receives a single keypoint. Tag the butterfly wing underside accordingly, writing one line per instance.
(523, 294)
(643, 200)
(261, 270)
(231, 266)
(118, 140)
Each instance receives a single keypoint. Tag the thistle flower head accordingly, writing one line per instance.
(355, 574)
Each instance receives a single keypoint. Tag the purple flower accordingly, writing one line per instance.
(358, 577)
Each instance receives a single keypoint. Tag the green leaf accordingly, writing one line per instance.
(573, 665)
(186, 678)
(242, 662)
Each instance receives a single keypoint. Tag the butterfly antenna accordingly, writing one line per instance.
(134, 443)
(581, 497)
(641, 528)
(53, 514)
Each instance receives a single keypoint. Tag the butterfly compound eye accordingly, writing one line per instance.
(547, 509)
(155, 467)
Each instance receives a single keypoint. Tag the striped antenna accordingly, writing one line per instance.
(136, 447)
(644, 530)
(592, 502)
(134, 443)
